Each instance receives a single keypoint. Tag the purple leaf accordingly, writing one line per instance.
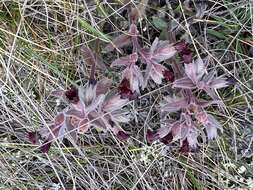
(210, 123)
(187, 57)
(219, 83)
(231, 80)
(197, 78)
(192, 137)
(134, 76)
(208, 78)
(159, 51)
(59, 119)
(211, 132)
(211, 127)
(95, 120)
(154, 46)
(201, 116)
(51, 132)
(162, 50)
(212, 93)
(58, 93)
(120, 116)
(84, 125)
(75, 113)
(71, 129)
(195, 70)
(133, 31)
(151, 136)
(174, 104)
(138, 11)
(100, 62)
(180, 46)
(118, 42)
(90, 57)
(97, 102)
(125, 61)
(114, 103)
(156, 73)
(204, 103)
(184, 83)
(103, 86)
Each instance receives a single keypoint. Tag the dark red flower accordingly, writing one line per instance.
(45, 146)
(168, 75)
(184, 52)
(185, 148)
(122, 136)
(32, 136)
(187, 56)
(125, 90)
(167, 139)
(72, 95)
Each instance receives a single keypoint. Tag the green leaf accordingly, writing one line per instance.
(92, 30)
(189, 172)
(159, 23)
(163, 34)
(217, 34)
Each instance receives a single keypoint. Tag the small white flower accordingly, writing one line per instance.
(58, 101)
(250, 183)
(166, 174)
(242, 169)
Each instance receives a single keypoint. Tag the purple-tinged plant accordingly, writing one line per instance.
(197, 77)
(93, 107)
(184, 130)
(168, 75)
(191, 104)
(151, 136)
(187, 129)
(134, 37)
(158, 52)
(125, 90)
(72, 95)
(124, 39)
(90, 106)
(210, 123)
(184, 52)
(131, 78)
(52, 131)
(91, 57)
(185, 147)
(137, 11)
(32, 136)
